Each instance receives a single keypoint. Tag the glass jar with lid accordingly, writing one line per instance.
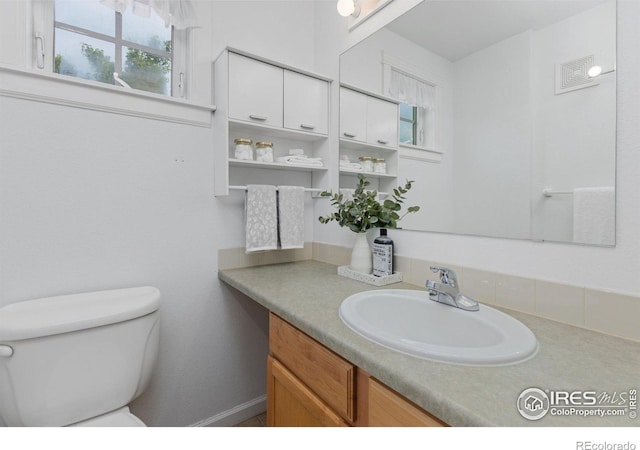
(243, 149)
(367, 163)
(264, 151)
(379, 165)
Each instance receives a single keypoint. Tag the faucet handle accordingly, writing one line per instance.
(447, 276)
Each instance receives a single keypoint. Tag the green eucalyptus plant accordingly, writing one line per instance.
(363, 211)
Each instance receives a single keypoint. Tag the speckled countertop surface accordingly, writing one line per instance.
(308, 295)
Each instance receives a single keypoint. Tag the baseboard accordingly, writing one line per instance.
(236, 414)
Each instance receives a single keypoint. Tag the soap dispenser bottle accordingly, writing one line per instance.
(382, 254)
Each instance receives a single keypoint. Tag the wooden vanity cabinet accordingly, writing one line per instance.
(387, 408)
(292, 404)
(317, 377)
(310, 385)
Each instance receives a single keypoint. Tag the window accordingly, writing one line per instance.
(408, 124)
(141, 44)
(417, 121)
(95, 42)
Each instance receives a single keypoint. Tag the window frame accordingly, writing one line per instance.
(117, 41)
(433, 145)
(414, 125)
(42, 53)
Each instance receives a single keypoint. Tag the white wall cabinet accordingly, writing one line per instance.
(255, 91)
(368, 119)
(368, 127)
(263, 100)
(382, 122)
(305, 103)
(353, 115)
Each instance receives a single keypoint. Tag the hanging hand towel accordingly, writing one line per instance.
(593, 215)
(291, 216)
(261, 214)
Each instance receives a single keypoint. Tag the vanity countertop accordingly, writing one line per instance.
(308, 295)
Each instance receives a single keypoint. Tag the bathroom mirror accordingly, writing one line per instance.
(511, 137)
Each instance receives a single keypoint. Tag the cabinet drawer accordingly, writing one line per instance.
(325, 373)
(292, 404)
(388, 409)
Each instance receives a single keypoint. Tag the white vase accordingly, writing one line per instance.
(361, 255)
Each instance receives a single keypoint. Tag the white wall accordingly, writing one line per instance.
(492, 140)
(601, 268)
(92, 200)
(576, 128)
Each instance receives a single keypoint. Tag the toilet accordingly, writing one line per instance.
(77, 360)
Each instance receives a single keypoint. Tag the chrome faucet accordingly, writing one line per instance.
(447, 291)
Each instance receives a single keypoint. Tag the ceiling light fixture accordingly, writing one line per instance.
(348, 8)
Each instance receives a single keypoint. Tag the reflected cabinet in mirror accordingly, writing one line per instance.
(506, 116)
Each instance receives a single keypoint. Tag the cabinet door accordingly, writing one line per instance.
(382, 122)
(306, 103)
(329, 376)
(353, 115)
(388, 409)
(292, 404)
(255, 91)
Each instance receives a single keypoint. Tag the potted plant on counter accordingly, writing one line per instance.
(361, 212)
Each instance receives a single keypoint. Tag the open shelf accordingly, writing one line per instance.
(274, 165)
(367, 174)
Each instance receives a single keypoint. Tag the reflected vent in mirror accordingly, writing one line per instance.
(574, 75)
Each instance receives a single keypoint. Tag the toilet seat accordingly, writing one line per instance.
(119, 418)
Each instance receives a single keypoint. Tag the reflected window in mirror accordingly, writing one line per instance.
(417, 107)
(408, 124)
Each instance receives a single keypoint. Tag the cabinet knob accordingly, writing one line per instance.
(306, 126)
(383, 142)
(349, 135)
(256, 117)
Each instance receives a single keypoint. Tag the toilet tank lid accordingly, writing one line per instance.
(66, 313)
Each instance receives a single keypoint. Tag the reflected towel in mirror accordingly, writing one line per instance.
(594, 215)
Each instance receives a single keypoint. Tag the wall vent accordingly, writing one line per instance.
(573, 75)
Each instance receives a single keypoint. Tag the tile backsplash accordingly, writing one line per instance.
(607, 312)
(234, 258)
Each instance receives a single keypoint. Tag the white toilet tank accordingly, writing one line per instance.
(71, 358)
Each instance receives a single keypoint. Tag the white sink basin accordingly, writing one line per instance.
(408, 322)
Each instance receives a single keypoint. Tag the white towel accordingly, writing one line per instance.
(300, 160)
(261, 214)
(291, 216)
(594, 215)
(350, 166)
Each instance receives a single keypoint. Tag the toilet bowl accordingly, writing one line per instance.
(77, 360)
(120, 418)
